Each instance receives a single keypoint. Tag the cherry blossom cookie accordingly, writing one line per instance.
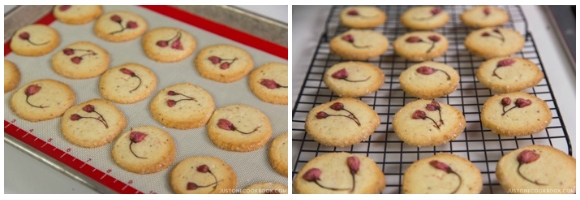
(362, 17)
(120, 26)
(494, 42)
(421, 45)
(34, 40)
(353, 79)
(269, 82)
(11, 76)
(77, 14)
(278, 154)
(484, 16)
(81, 60)
(168, 44)
(424, 18)
(42, 100)
(127, 83)
(223, 63)
(203, 175)
(505, 74)
(357, 44)
(428, 80)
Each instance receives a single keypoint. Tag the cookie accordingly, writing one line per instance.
(537, 169)
(494, 42)
(168, 44)
(362, 17)
(443, 173)
(127, 83)
(505, 74)
(81, 60)
(354, 79)
(278, 154)
(211, 176)
(428, 80)
(265, 188)
(92, 124)
(269, 82)
(484, 16)
(358, 44)
(340, 173)
(11, 76)
(421, 45)
(76, 14)
(120, 26)
(239, 127)
(34, 40)
(428, 123)
(424, 18)
(42, 99)
(223, 63)
(182, 106)
(341, 122)
(515, 114)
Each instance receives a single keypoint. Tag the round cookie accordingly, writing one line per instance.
(81, 60)
(343, 172)
(354, 79)
(11, 76)
(42, 99)
(537, 169)
(515, 114)
(484, 16)
(269, 82)
(239, 127)
(505, 74)
(421, 45)
(120, 26)
(92, 124)
(182, 106)
(144, 150)
(428, 123)
(167, 44)
(211, 176)
(362, 17)
(494, 42)
(265, 188)
(77, 14)
(428, 80)
(127, 83)
(278, 154)
(357, 44)
(223, 63)
(424, 18)
(34, 40)
(342, 122)
(443, 173)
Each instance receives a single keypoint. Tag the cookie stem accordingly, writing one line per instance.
(436, 125)
(122, 28)
(137, 85)
(34, 105)
(526, 178)
(329, 188)
(448, 77)
(256, 129)
(460, 181)
(353, 182)
(36, 44)
(504, 112)
(495, 74)
(131, 148)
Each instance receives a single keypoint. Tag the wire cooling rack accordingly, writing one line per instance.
(478, 144)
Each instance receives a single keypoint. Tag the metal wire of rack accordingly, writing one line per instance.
(477, 143)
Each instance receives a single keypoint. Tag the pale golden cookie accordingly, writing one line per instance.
(11, 76)
(362, 17)
(357, 44)
(77, 14)
(278, 154)
(484, 16)
(354, 79)
(42, 100)
(428, 80)
(34, 40)
(265, 188)
(424, 18)
(203, 175)
(270, 83)
(81, 60)
(421, 45)
(168, 44)
(505, 74)
(120, 26)
(223, 63)
(494, 42)
(127, 83)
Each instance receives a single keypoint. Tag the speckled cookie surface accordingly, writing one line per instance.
(362, 17)
(34, 40)
(120, 26)
(344, 172)
(81, 60)
(424, 18)
(11, 76)
(167, 44)
(239, 127)
(428, 123)
(265, 188)
(357, 44)
(341, 122)
(442, 174)
(42, 100)
(127, 83)
(484, 16)
(223, 63)
(354, 79)
(515, 114)
(428, 80)
(505, 74)
(278, 154)
(77, 14)
(269, 82)
(203, 175)
(421, 45)
(494, 42)
(537, 169)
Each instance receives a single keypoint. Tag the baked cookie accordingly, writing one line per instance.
(362, 17)
(428, 80)
(239, 127)
(265, 188)
(342, 122)
(223, 63)
(537, 169)
(269, 82)
(120, 26)
(357, 44)
(92, 124)
(182, 106)
(443, 173)
(34, 40)
(42, 99)
(340, 173)
(421, 45)
(515, 114)
(11, 76)
(76, 14)
(505, 74)
(167, 44)
(484, 16)
(424, 18)
(81, 60)
(128, 83)
(203, 175)
(428, 123)
(494, 42)
(278, 154)
(354, 79)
